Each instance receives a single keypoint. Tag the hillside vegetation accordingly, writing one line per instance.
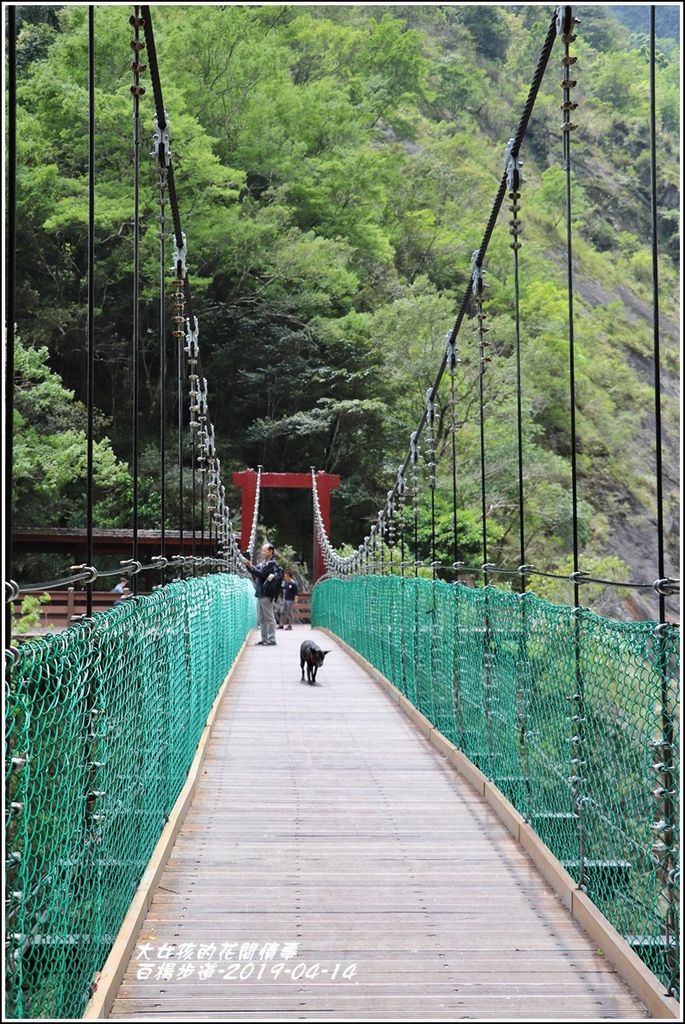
(335, 167)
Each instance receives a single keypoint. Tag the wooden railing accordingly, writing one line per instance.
(65, 604)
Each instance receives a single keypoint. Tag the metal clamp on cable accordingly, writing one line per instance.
(137, 45)
(451, 352)
(667, 586)
(192, 347)
(458, 565)
(178, 560)
(90, 571)
(430, 402)
(413, 447)
(566, 22)
(11, 591)
(577, 577)
(477, 275)
(131, 566)
(525, 570)
(87, 620)
(160, 561)
(513, 166)
(179, 257)
(161, 141)
(489, 566)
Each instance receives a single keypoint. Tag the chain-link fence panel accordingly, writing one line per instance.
(102, 724)
(574, 717)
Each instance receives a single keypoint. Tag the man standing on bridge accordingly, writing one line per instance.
(267, 576)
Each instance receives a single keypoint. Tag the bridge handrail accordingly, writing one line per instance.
(102, 723)
(574, 717)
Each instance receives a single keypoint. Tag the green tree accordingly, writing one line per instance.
(50, 453)
(335, 166)
(488, 26)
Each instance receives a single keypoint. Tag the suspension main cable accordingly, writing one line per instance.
(186, 325)
(562, 23)
(515, 147)
(479, 256)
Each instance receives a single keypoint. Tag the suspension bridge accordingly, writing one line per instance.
(473, 814)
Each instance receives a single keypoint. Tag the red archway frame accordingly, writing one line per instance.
(246, 479)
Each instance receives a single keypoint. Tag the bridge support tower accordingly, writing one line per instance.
(246, 480)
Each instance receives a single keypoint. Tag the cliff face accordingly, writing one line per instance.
(632, 536)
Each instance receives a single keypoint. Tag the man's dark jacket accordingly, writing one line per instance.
(260, 573)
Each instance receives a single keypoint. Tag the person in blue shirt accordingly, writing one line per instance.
(121, 590)
(290, 591)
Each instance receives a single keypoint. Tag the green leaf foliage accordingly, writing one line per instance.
(335, 168)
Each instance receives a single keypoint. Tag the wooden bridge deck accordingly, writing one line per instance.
(324, 818)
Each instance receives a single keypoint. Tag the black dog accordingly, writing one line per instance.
(312, 656)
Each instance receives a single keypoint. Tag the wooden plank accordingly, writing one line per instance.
(631, 967)
(531, 1006)
(419, 1010)
(643, 982)
(109, 978)
(323, 817)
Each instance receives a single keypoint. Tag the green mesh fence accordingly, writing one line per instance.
(574, 717)
(102, 724)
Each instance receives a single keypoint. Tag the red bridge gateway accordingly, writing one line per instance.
(325, 483)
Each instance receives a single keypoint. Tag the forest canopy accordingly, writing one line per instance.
(335, 168)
